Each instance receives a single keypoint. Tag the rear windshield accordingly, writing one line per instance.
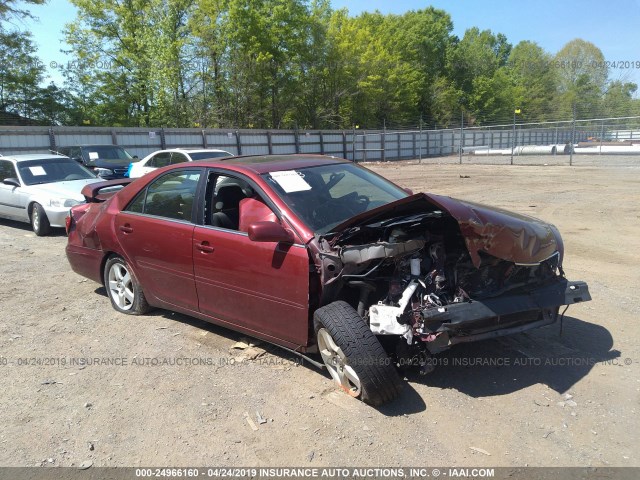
(35, 172)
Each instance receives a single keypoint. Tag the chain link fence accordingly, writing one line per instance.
(505, 143)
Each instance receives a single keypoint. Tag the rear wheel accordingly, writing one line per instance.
(353, 355)
(39, 221)
(124, 291)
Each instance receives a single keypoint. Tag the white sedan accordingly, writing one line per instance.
(162, 158)
(40, 189)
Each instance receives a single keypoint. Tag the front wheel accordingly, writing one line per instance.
(39, 221)
(353, 355)
(124, 291)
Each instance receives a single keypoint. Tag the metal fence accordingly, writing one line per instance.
(358, 145)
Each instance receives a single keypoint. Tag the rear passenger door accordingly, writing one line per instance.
(156, 231)
(262, 288)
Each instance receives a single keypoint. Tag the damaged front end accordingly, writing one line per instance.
(433, 272)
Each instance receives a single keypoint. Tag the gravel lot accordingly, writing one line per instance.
(537, 399)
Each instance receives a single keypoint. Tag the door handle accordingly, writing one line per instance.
(126, 228)
(204, 247)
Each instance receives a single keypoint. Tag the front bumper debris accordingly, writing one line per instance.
(504, 315)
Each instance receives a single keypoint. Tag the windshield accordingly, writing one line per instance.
(204, 155)
(325, 196)
(50, 170)
(105, 152)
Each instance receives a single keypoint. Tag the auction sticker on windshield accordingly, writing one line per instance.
(37, 171)
(290, 181)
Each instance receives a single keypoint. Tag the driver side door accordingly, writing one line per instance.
(261, 288)
(13, 201)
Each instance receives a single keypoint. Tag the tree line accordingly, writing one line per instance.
(295, 64)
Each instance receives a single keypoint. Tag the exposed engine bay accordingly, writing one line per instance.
(413, 277)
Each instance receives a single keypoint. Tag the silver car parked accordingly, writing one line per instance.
(41, 188)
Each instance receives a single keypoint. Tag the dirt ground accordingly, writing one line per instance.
(536, 399)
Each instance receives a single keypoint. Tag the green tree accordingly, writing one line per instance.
(9, 9)
(268, 37)
(619, 100)
(21, 73)
(209, 98)
(582, 77)
(131, 57)
(534, 81)
(475, 66)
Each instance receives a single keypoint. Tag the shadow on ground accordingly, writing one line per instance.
(480, 369)
(55, 232)
(501, 366)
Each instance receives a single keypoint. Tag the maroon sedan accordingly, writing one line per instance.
(319, 255)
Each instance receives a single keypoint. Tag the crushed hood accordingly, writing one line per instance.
(500, 233)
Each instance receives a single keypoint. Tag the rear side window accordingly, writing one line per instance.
(170, 196)
(178, 158)
(160, 160)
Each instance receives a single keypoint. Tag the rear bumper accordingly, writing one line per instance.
(504, 315)
(85, 261)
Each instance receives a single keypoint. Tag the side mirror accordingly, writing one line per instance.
(269, 232)
(77, 159)
(14, 182)
(408, 190)
(136, 158)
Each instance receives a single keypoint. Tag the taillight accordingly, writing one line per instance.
(67, 223)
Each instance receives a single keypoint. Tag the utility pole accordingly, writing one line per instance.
(461, 131)
(513, 140)
(384, 140)
(353, 145)
(573, 135)
(420, 142)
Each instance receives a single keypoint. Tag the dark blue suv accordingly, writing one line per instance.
(107, 161)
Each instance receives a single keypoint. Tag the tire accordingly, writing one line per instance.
(39, 221)
(353, 355)
(123, 289)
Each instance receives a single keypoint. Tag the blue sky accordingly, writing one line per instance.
(613, 26)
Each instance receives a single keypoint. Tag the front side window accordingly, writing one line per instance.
(170, 196)
(327, 195)
(233, 204)
(7, 170)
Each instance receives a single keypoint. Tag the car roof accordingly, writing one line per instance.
(91, 145)
(274, 163)
(189, 150)
(194, 150)
(32, 156)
